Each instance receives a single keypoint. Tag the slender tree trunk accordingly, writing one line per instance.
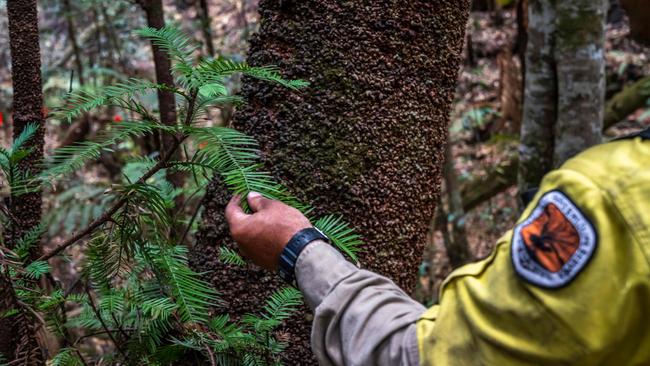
(365, 140)
(540, 96)
(565, 85)
(80, 129)
(206, 28)
(18, 340)
(457, 245)
(166, 99)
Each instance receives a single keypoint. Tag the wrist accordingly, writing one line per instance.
(293, 249)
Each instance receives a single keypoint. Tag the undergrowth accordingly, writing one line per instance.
(136, 289)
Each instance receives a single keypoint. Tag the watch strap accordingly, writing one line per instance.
(291, 252)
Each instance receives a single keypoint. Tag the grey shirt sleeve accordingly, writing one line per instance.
(360, 317)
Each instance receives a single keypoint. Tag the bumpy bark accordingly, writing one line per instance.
(365, 140)
(27, 106)
(565, 84)
(18, 338)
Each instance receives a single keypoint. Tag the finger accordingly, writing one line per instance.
(258, 202)
(234, 213)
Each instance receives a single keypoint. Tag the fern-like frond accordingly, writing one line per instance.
(120, 94)
(29, 240)
(107, 260)
(341, 234)
(193, 295)
(175, 43)
(229, 256)
(28, 131)
(159, 308)
(66, 357)
(72, 158)
(279, 307)
(36, 269)
(215, 70)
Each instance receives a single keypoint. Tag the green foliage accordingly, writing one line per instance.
(229, 256)
(13, 178)
(341, 235)
(136, 287)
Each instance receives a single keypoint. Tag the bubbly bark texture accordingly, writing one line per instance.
(17, 335)
(365, 140)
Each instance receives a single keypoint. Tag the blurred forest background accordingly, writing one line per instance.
(526, 84)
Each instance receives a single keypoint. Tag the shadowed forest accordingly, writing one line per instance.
(409, 133)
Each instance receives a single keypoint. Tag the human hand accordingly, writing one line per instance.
(262, 235)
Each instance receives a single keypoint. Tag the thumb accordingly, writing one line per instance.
(257, 202)
(234, 213)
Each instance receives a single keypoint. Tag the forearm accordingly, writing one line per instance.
(360, 318)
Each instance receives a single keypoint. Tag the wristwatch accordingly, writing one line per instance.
(289, 256)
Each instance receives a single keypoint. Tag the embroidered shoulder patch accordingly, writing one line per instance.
(554, 243)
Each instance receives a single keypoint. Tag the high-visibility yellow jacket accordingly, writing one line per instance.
(569, 285)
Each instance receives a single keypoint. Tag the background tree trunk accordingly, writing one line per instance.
(540, 97)
(18, 338)
(206, 28)
(565, 85)
(80, 129)
(457, 246)
(580, 60)
(365, 140)
(166, 99)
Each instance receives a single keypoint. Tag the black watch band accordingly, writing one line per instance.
(292, 250)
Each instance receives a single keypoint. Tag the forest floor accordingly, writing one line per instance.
(482, 137)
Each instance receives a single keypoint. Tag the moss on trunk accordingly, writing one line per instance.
(365, 140)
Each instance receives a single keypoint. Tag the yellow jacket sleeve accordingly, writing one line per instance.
(570, 284)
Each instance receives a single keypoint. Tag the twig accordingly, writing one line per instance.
(189, 225)
(211, 354)
(101, 320)
(107, 216)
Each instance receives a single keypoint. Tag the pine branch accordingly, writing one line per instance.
(106, 216)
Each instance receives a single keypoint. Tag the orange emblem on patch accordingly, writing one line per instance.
(551, 239)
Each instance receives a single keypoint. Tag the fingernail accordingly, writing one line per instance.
(254, 195)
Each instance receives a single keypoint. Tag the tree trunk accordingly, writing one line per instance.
(166, 99)
(565, 85)
(540, 96)
(206, 28)
(457, 245)
(365, 140)
(580, 60)
(19, 338)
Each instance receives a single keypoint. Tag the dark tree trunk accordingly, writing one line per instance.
(166, 100)
(27, 107)
(18, 340)
(365, 140)
(206, 28)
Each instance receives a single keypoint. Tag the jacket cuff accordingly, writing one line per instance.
(319, 268)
